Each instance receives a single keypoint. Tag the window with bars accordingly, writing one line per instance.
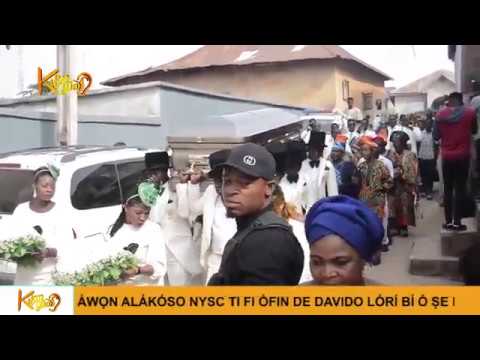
(367, 101)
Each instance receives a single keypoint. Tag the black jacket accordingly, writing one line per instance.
(264, 251)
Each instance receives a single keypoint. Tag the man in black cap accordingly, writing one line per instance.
(264, 250)
(293, 185)
(279, 152)
(217, 229)
(318, 171)
(172, 214)
(156, 166)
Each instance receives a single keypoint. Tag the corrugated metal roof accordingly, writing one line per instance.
(224, 55)
(421, 85)
(238, 125)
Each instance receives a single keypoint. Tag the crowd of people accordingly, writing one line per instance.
(312, 211)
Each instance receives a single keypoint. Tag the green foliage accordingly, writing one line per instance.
(21, 249)
(103, 272)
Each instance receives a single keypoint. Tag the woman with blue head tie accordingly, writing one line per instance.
(344, 235)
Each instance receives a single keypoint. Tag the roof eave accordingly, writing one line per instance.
(120, 79)
(408, 93)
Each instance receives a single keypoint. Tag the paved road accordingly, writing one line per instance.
(394, 267)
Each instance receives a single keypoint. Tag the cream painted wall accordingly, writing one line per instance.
(361, 81)
(308, 84)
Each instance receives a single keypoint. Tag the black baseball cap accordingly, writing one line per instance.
(253, 160)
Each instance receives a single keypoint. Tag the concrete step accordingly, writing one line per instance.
(455, 243)
(426, 259)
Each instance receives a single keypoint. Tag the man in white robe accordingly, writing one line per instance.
(217, 229)
(172, 214)
(351, 134)
(352, 112)
(414, 134)
(319, 171)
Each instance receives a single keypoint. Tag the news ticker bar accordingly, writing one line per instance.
(232, 300)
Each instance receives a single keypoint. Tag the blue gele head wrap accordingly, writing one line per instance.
(349, 219)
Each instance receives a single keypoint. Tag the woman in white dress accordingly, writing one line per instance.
(296, 221)
(134, 232)
(40, 216)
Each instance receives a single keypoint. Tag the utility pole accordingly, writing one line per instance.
(21, 82)
(67, 105)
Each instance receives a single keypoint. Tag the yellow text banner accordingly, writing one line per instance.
(425, 300)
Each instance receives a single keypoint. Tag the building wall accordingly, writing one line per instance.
(439, 88)
(18, 133)
(172, 105)
(410, 103)
(467, 69)
(361, 80)
(459, 73)
(304, 84)
(140, 135)
(138, 102)
(174, 108)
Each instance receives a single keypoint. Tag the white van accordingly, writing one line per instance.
(92, 185)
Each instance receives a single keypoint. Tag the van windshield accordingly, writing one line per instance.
(15, 188)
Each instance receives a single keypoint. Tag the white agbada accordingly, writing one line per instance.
(351, 136)
(368, 132)
(305, 135)
(321, 181)
(295, 193)
(329, 142)
(151, 250)
(389, 134)
(182, 251)
(377, 121)
(299, 232)
(57, 232)
(217, 229)
(353, 113)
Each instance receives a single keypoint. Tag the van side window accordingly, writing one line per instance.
(130, 174)
(95, 187)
